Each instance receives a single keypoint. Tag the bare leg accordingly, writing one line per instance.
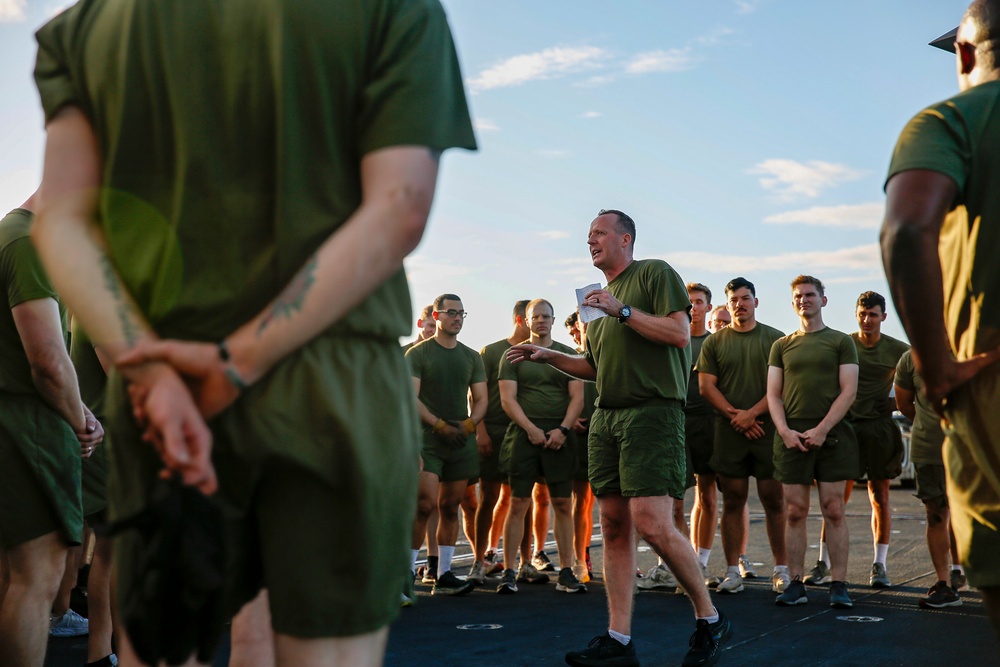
(358, 651)
(583, 518)
(99, 601)
(499, 517)
(734, 501)
(450, 496)
(772, 497)
(708, 516)
(427, 498)
(540, 515)
(938, 538)
(679, 521)
(514, 531)
(251, 635)
(564, 530)
(73, 557)
(831, 498)
(489, 494)
(36, 570)
(797, 510)
(470, 506)
(619, 560)
(878, 495)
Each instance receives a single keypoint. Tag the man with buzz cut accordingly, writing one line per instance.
(812, 380)
(732, 375)
(425, 326)
(543, 405)
(638, 353)
(445, 373)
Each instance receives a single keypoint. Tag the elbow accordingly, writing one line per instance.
(49, 374)
(411, 205)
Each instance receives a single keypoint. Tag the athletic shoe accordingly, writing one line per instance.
(580, 571)
(430, 570)
(477, 574)
(604, 650)
(819, 575)
(746, 568)
(707, 640)
(711, 580)
(780, 580)
(958, 581)
(839, 599)
(879, 578)
(70, 624)
(494, 563)
(568, 583)
(794, 593)
(658, 577)
(939, 596)
(529, 575)
(110, 660)
(508, 583)
(406, 597)
(542, 563)
(733, 583)
(449, 584)
(590, 565)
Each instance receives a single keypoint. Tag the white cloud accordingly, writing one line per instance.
(594, 81)
(790, 179)
(846, 216)
(547, 64)
(714, 37)
(486, 125)
(12, 10)
(591, 114)
(554, 235)
(864, 257)
(552, 153)
(746, 6)
(670, 60)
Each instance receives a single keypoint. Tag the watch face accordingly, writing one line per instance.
(626, 312)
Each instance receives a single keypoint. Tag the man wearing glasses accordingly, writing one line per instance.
(444, 373)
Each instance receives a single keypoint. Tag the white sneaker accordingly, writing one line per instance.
(780, 580)
(70, 624)
(733, 583)
(746, 568)
(580, 571)
(477, 574)
(657, 577)
(711, 580)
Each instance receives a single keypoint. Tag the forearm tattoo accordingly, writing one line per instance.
(123, 306)
(292, 298)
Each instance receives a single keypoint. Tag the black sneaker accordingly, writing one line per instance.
(568, 583)
(839, 599)
(794, 593)
(508, 583)
(542, 563)
(449, 584)
(958, 581)
(707, 640)
(604, 650)
(939, 596)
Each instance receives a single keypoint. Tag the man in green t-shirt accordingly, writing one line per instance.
(732, 375)
(940, 240)
(44, 430)
(253, 200)
(880, 444)
(445, 374)
(812, 380)
(926, 440)
(543, 404)
(638, 353)
(493, 482)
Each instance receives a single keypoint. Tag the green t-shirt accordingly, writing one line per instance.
(492, 355)
(542, 391)
(631, 369)
(229, 160)
(926, 437)
(738, 359)
(23, 279)
(696, 403)
(877, 366)
(960, 138)
(811, 364)
(90, 373)
(445, 377)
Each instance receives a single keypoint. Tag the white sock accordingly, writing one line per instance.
(711, 619)
(780, 568)
(881, 550)
(703, 555)
(956, 566)
(619, 637)
(824, 555)
(413, 559)
(734, 570)
(445, 554)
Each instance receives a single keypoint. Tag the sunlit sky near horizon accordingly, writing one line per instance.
(745, 137)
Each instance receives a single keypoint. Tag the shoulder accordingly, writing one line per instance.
(14, 226)
(565, 349)
(896, 345)
(770, 332)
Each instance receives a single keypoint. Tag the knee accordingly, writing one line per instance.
(425, 506)
(796, 513)
(733, 503)
(562, 506)
(936, 514)
(833, 511)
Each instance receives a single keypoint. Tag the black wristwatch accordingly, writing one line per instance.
(625, 314)
(565, 431)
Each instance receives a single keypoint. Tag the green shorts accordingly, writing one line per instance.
(450, 463)
(880, 447)
(699, 441)
(525, 463)
(835, 461)
(39, 473)
(95, 482)
(638, 451)
(738, 457)
(931, 484)
(972, 459)
(317, 466)
(489, 466)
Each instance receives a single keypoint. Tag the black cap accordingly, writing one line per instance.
(946, 42)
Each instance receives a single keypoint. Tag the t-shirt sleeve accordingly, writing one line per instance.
(936, 139)
(667, 290)
(707, 361)
(847, 352)
(904, 373)
(414, 93)
(415, 357)
(478, 369)
(52, 67)
(507, 370)
(23, 273)
(774, 358)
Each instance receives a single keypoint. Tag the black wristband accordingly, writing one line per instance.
(565, 431)
(223, 350)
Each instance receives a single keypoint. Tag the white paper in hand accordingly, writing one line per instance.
(588, 313)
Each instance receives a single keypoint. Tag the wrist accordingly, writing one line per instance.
(564, 430)
(240, 358)
(440, 426)
(468, 426)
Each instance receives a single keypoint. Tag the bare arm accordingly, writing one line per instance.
(906, 402)
(40, 329)
(848, 378)
(508, 399)
(574, 365)
(673, 329)
(742, 421)
(917, 202)
(480, 402)
(776, 405)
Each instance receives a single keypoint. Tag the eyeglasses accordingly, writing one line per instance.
(451, 312)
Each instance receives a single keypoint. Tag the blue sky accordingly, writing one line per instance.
(745, 137)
